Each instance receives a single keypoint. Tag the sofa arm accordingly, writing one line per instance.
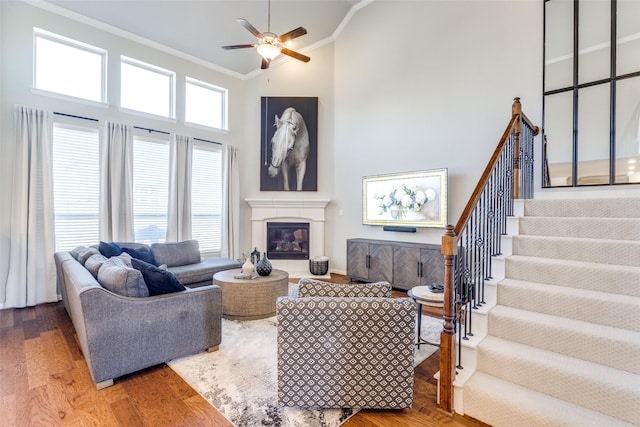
(124, 334)
(346, 352)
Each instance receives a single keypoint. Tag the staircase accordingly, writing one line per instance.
(562, 344)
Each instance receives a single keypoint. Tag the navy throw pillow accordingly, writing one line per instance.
(109, 249)
(158, 281)
(142, 253)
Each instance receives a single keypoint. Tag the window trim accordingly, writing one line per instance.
(159, 70)
(224, 110)
(57, 38)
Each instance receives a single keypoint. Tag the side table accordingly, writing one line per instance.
(250, 299)
(422, 295)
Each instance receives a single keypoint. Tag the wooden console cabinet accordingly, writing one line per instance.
(402, 264)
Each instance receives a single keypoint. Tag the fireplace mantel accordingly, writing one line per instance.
(289, 210)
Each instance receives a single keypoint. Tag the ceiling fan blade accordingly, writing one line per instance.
(239, 46)
(300, 31)
(264, 65)
(294, 54)
(249, 27)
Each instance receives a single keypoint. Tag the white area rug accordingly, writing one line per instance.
(240, 379)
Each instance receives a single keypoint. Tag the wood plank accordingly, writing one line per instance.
(202, 413)
(6, 318)
(59, 358)
(36, 363)
(8, 410)
(126, 413)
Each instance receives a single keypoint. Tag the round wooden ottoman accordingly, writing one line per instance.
(250, 299)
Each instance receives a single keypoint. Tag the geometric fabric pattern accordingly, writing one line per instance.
(317, 288)
(345, 352)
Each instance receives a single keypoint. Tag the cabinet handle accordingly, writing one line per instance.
(419, 269)
(368, 261)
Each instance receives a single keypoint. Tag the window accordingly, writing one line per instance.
(76, 186)
(69, 67)
(591, 104)
(206, 197)
(150, 189)
(147, 88)
(205, 104)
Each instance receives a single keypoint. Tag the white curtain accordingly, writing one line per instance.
(179, 209)
(230, 203)
(116, 182)
(31, 274)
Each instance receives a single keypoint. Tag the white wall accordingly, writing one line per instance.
(429, 85)
(289, 78)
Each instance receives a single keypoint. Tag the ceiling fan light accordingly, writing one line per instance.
(268, 51)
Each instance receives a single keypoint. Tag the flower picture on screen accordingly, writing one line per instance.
(416, 199)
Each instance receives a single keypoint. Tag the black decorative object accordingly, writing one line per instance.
(264, 267)
(255, 256)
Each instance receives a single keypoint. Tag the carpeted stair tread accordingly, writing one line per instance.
(609, 207)
(618, 279)
(602, 308)
(504, 404)
(603, 389)
(585, 227)
(613, 347)
(617, 252)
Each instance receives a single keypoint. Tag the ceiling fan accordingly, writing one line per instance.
(271, 45)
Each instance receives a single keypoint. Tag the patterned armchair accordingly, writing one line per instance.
(345, 346)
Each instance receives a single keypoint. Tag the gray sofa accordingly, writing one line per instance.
(120, 334)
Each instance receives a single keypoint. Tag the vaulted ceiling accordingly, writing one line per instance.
(200, 27)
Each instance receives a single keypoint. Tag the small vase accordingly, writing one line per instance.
(264, 267)
(397, 212)
(247, 267)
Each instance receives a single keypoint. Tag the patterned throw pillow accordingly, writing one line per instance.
(318, 288)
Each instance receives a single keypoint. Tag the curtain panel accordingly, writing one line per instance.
(179, 207)
(116, 182)
(30, 277)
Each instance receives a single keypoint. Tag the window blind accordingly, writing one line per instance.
(76, 183)
(150, 189)
(206, 197)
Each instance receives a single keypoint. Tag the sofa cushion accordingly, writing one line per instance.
(115, 276)
(318, 288)
(174, 254)
(142, 253)
(203, 271)
(109, 249)
(94, 262)
(82, 253)
(158, 281)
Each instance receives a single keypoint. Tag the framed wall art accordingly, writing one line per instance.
(289, 144)
(412, 199)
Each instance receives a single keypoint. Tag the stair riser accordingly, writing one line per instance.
(620, 314)
(587, 250)
(619, 352)
(596, 394)
(595, 277)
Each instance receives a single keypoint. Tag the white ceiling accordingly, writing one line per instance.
(200, 27)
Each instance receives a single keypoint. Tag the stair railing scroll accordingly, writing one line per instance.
(469, 245)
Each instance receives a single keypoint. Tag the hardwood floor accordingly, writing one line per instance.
(44, 380)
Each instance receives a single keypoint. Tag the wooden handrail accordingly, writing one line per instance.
(450, 244)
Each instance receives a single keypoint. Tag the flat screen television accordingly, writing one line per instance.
(410, 199)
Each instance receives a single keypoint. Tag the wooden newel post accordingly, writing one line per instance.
(447, 336)
(516, 110)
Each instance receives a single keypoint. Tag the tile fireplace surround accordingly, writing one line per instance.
(289, 210)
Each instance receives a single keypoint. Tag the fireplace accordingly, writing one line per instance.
(288, 240)
(299, 210)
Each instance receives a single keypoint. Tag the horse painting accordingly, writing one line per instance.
(289, 147)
